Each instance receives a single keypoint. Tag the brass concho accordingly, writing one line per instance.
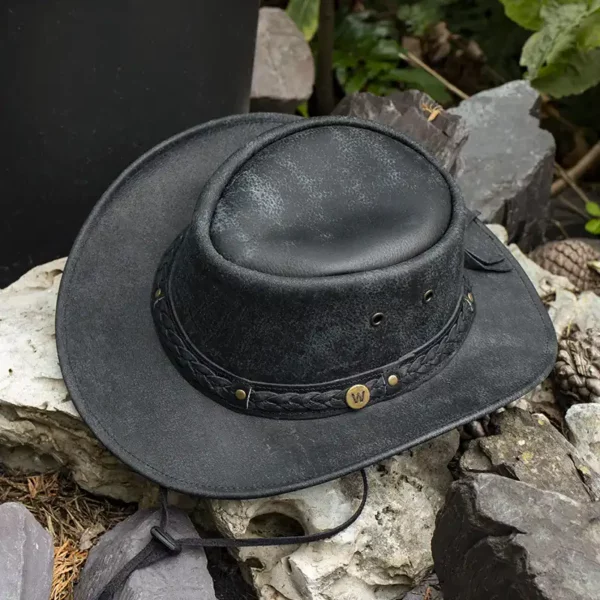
(358, 396)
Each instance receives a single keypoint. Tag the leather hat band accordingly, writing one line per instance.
(303, 401)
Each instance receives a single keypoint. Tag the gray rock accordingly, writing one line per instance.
(284, 71)
(184, 576)
(583, 421)
(500, 539)
(26, 555)
(528, 448)
(410, 112)
(507, 162)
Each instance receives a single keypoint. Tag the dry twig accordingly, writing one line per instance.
(410, 57)
(583, 166)
(567, 177)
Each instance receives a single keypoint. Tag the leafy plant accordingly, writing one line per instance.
(418, 16)
(593, 225)
(305, 13)
(563, 55)
(367, 58)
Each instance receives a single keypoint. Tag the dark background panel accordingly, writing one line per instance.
(89, 86)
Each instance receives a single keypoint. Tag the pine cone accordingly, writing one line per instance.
(575, 259)
(577, 370)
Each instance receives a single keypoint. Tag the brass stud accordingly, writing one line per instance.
(393, 380)
(470, 297)
(358, 396)
(240, 394)
(158, 293)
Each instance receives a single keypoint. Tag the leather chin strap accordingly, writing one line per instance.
(163, 544)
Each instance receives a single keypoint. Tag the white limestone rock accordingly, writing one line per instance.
(284, 70)
(545, 282)
(499, 231)
(380, 557)
(40, 428)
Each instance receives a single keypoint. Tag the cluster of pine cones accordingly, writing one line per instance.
(577, 371)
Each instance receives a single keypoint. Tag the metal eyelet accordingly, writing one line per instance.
(377, 319)
(428, 296)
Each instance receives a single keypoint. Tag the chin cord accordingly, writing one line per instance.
(163, 544)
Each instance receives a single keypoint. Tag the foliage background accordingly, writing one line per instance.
(554, 43)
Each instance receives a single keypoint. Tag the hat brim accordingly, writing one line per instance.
(142, 409)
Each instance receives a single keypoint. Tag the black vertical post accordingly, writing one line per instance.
(89, 86)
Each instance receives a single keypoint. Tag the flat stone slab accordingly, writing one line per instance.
(501, 539)
(528, 448)
(583, 421)
(180, 577)
(26, 555)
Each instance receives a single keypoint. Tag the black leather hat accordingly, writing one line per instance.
(264, 303)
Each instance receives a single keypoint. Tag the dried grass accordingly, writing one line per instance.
(73, 517)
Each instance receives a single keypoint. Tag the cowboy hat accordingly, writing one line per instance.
(264, 303)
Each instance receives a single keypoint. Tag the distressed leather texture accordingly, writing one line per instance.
(288, 329)
(317, 326)
(328, 201)
(301, 401)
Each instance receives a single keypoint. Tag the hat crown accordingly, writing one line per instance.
(288, 275)
(330, 200)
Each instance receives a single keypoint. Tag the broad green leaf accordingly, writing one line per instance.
(593, 209)
(305, 13)
(593, 226)
(562, 57)
(357, 82)
(388, 50)
(574, 75)
(421, 15)
(558, 35)
(588, 37)
(524, 12)
(303, 109)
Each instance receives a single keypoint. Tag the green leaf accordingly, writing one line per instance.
(524, 12)
(593, 226)
(305, 13)
(421, 15)
(302, 109)
(588, 37)
(593, 208)
(575, 75)
(563, 58)
(357, 82)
